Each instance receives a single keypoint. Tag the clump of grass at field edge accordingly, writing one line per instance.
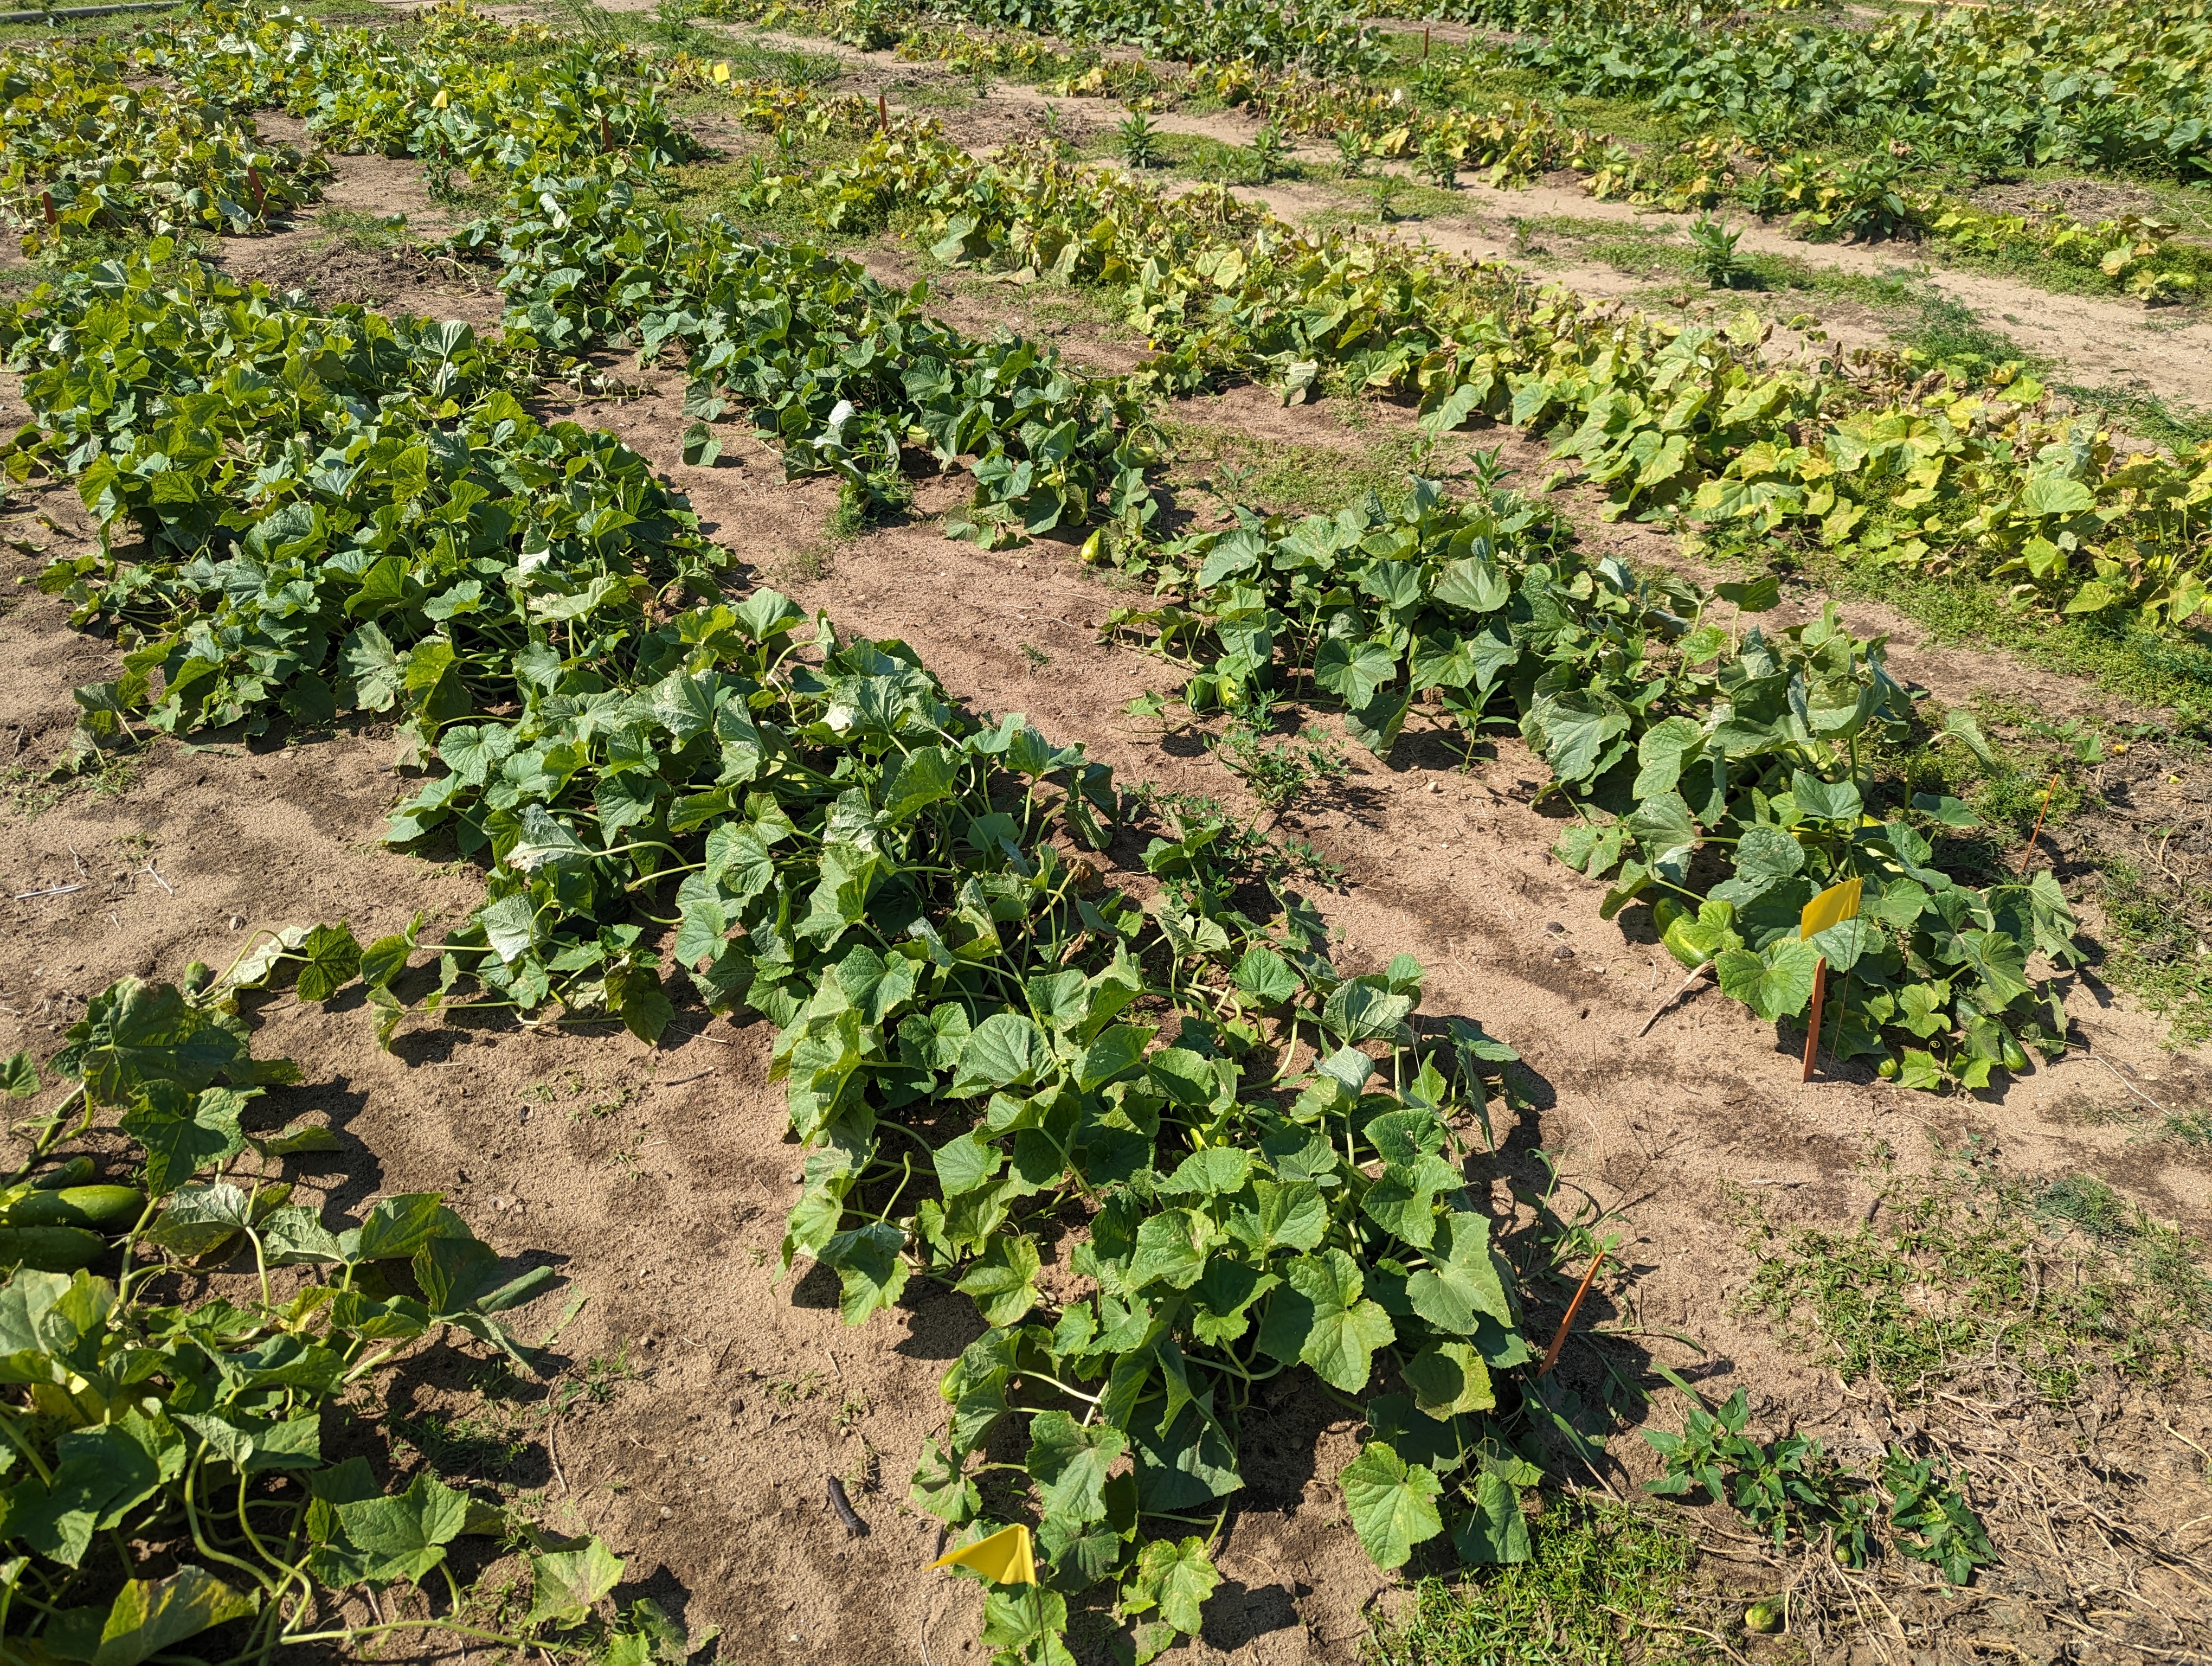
(1603, 1585)
(1968, 1269)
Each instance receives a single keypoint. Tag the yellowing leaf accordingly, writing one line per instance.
(1004, 1559)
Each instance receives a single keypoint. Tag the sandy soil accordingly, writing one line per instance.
(656, 1179)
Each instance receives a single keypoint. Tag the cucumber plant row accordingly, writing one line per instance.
(1884, 462)
(987, 1049)
(91, 151)
(1987, 90)
(1718, 772)
(1779, 169)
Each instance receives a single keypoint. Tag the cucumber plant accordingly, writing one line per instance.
(1718, 772)
(167, 1479)
(92, 149)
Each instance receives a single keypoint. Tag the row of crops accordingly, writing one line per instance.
(1322, 36)
(1986, 88)
(1882, 462)
(680, 791)
(1840, 128)
(1781, 121)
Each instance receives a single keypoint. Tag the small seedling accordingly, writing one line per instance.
(1712, 252)
(1440, 162)
(1271, 156)
(1140, 141)
(1278, 773)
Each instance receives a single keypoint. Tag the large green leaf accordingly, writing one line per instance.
(1176, 1577)
(1494, 1530)
(405, 1534)
(1448, 1378)
(1319, 1317)
(19, 1077)
(1392, 1504)
(147, 1617)
(1776, 983)
(1070, 1463)
(1460, 1284)
(1765, 857)
(183, 1131)
(1004, 1282)
(1402, 1200)
(1570, 731)
(1353, 670)
(1999, 962)
(1172, 1249)
(1005, 1049)
(134, 1035)
(1283, 1215)
(2048, 493)
(871, 1272)
(565, 1585)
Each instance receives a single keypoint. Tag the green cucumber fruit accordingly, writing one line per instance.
(75, 1172)
(109, 1207)
(50, 1249)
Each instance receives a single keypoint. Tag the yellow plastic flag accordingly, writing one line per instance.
(1003, 1558)
(1830, 907)
(441, 100)
(722, 72)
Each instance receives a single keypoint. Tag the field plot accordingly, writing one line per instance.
(799, 786)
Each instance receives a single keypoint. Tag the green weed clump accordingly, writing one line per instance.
(1968, 1269)
(2151, 951)
(1603, 1584)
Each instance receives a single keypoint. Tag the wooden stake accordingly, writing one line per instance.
(1424, 45)
(2028, 854)
(1559, 1342)
(46, 202)
(253, 179)
(882, 114)
(1813, 1029)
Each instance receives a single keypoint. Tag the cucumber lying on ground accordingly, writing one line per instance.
(110, 1208)
(50, 1249)
(77, 1172)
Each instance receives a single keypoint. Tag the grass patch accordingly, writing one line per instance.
(2151, 947)
(2180, 428)
(711, 187)
(2155, 670)
(1949, 336)
(1395, 196)
(1593, 1565)
(930, 94)
(1303, 479)
(33, 792)
(2029, 773)
(1965, 1268)
(354, 229)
